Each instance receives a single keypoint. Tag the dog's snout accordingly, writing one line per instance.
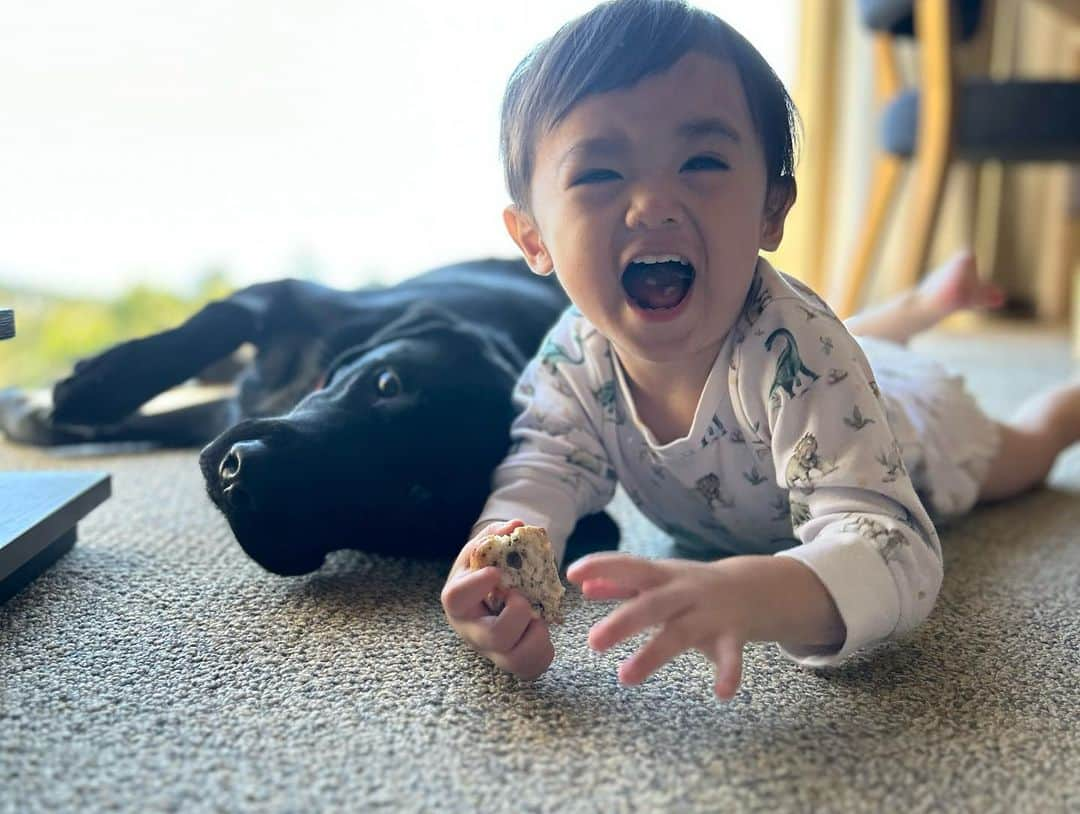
(238, 470)
(240, 456)
(230, 466)
(238, 497)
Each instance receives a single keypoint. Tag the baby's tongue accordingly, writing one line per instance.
(657, 285)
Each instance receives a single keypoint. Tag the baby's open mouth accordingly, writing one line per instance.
(658, 284)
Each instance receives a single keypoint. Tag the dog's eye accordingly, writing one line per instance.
(388, 383)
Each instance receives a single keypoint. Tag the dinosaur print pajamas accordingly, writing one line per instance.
(806, 443)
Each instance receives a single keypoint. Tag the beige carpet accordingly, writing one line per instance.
(156, 668)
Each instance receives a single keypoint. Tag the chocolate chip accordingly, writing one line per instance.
(513, 559)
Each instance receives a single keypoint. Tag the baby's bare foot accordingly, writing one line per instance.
(955, 285)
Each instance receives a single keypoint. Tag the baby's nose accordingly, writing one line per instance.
(652, 209)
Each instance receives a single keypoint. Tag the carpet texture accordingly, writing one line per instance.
(156, 668)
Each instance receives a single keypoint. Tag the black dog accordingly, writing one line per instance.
(369, 419)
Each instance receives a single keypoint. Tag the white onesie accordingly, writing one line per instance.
(799, 448)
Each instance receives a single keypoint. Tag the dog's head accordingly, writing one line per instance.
(393, 454)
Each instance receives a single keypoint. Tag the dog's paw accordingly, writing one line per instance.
(76, 401)
(97, 392)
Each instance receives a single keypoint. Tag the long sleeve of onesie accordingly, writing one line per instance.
(557, 470)
(804, 384)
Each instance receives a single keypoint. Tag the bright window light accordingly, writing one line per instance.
(145, 140)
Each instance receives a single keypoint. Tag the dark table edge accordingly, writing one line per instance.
(32, 568)
(59, 528)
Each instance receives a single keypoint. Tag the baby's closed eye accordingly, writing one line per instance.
(706, 162)
(595, 177)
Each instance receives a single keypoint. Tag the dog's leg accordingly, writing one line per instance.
(25, 418)
(107, 387)
(192, 426)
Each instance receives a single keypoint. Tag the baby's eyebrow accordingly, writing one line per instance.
(705, 127)
(604, 146)
(597, 147)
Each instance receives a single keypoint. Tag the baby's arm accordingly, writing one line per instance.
(557, 469)
(806, 386)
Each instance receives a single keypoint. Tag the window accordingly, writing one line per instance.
(350, 142)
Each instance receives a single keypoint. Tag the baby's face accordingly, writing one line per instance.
(669, 168)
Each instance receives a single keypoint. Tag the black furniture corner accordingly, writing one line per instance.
(39, 511)
(38, 516)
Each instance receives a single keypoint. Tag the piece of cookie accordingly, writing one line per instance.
(527, 563)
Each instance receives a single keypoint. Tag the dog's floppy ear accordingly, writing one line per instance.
(420, 317)
(359, 335)
(429, 320)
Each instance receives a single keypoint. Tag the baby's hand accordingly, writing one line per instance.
(698, 605)
(515, 639)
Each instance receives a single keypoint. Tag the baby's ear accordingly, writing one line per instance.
(779, 199)
(526, 234)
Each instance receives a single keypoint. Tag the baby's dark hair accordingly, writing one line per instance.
(616, 45)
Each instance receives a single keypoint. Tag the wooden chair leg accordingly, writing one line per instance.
(883, 185)
(931, 168)
(886, 174)
(934, 140)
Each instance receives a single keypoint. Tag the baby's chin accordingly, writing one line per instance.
(670, 342)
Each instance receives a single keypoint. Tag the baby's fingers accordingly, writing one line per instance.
(633, 573)
(606, 589)
(531, 655)
(501, 528)
(654, 654)
(502, 633)
(637, 614)
(727, 655)
(463, 595)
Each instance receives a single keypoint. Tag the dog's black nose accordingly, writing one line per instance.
(237, 471)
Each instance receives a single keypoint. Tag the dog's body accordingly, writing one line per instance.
(369, 419)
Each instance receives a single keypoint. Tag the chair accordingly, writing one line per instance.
(945, 119)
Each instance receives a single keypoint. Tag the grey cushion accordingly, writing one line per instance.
(1008, 121)
(898, 16)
